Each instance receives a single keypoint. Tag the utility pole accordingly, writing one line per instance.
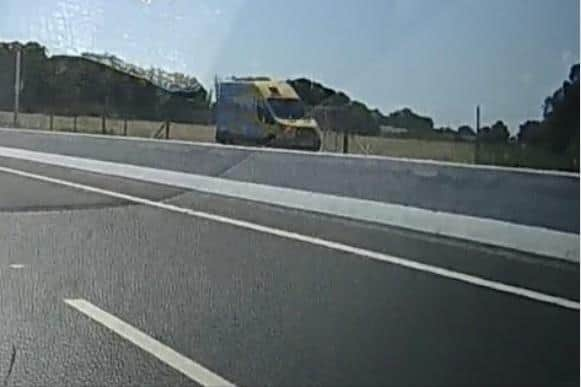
(476, 149)
(477, 118)
(17, 87)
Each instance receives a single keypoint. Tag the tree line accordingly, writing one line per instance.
(558, 130)
(72, 85)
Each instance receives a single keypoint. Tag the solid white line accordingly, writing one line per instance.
(530, 239)
(438, 271)
(186, 366)
(308, 153)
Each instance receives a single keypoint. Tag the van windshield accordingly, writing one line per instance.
(287, 108)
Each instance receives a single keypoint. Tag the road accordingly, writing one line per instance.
(211, 291)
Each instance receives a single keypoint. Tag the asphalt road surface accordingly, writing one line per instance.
(101, 290)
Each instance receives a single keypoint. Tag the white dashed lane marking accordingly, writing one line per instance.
(179, 362)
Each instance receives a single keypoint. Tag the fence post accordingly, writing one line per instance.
(125, 127)
(50, 122)
(167, 123)
(345, 142)
(17, 86)
(74, 123)
(477, 144)
(103, 125)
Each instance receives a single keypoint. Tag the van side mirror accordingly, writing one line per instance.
(268, 117)
(263, 113)
(260, 112)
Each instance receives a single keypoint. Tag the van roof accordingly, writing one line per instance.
(268, 88)
(276, 89)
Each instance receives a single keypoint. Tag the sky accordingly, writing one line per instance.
(439, 57)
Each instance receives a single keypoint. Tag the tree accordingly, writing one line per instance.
(466, 131)
(406, 118)
(336, 99)
(360, 120)
(310, 92)
(529, 132)
(561, 116)
(574, 73)
(558, 132)
(82, 86)
(483, 133)
(496, 133)
(499, 132)
(334, 110)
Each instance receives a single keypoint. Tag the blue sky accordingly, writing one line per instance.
(439, 57)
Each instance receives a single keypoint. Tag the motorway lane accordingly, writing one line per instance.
(511, 267)
(526, 198)
(264, 310)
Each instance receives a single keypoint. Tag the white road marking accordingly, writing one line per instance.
(530, 239)
(304, 153)
(435, 270)
(16, 266)
(186, 366)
